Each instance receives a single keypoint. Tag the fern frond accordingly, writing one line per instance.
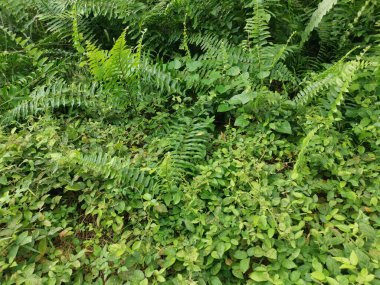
(208, 42)
(281, 72)
(323, 8)
(156, 77)
(122, 65)
(301, 155)
(312, 89)
(121, 170)
(57, 95)
(185, 145)
(335, 77)
(30, 49)
(256, 27)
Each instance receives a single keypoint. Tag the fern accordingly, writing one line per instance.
(30, 49)
(257, 26)
(301, 155)
(323, 8)
(110, 167)
(281, 73)
(184, 146)
(333, 77)
(57, 95)
(123, 68)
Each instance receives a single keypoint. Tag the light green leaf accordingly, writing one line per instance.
(193, 66)
(281, 127)
(12, 253)
(244, 264)
(271, 254)
(354, 258)
(259, 276)
(233, 71)
(3, 180)
(318, 275)
(242, 121)
(240, 254)
(215, 281)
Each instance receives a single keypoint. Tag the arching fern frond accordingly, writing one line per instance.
(281, 72)
(323, 8)
(121, 170)
(57, 95)
(335, 80)
(30, 49)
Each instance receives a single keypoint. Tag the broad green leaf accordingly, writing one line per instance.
(288, 264)
(215, 281)
(354, 258)
(177, 64)
(193, 65)
(240, 254)
(259, 276)
(318, 275)
(224, 107)
(244, 265)
(282, 127)
(242, 121)
(242, 98)
(271, 254)
(3, 180)
(233, 71)
(12, 253)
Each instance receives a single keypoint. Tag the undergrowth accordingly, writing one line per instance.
(189, 142)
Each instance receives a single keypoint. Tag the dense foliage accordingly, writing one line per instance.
(189, 142)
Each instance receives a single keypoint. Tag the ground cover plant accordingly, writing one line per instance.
(189, 142)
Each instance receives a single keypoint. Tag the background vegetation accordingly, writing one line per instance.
(189, 142)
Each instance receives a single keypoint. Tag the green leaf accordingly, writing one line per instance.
(282, 127)
(240, 254)
(12, 253)
(242, 98)
(147, 196)
(220, 249)
(263, 74)
(237, 273)
(271, 254)
(3, 180)
(244, 264)
(224, 107)
(177, 64)
(332, 281)
(117, 249)
(367, 230)
(354, 258)
(42, 246)
(233, 71)
(288, 264)
(242, 121)
(259, 276)
(76, 186)
(138, 275)
(189, 226)
(215, 281)
(161, 208)
(318, 275)
(169, 261)
(23, 239)
(193, 65)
